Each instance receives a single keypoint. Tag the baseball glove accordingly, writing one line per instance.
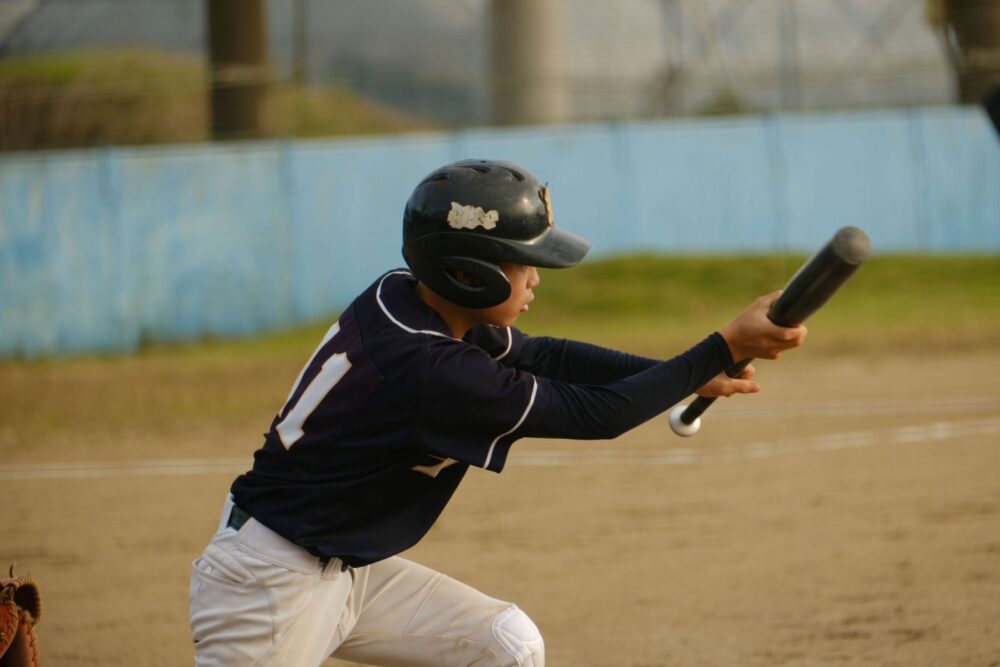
(20, 610)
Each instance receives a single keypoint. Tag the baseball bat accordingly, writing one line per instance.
(811, 287)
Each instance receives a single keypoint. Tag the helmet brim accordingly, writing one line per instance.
(555, 248)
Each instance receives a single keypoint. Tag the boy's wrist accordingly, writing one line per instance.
(735, 351)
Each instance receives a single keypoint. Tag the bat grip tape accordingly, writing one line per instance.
(700, 404)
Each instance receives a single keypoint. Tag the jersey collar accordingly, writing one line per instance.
(397, 297)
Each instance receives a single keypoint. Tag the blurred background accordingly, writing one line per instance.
(192, 190)
(173, 169)
(113, 72)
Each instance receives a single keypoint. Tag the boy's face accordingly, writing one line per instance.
(522, 279)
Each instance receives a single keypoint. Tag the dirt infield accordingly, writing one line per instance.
(848, 514)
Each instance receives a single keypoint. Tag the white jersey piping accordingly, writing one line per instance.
(378, 297)
(531, 402)
(510, 344)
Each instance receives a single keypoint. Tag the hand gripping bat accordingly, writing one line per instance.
(811, 286)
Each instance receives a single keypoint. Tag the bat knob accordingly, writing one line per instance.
(679, 427)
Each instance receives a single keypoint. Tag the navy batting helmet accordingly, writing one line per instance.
(473, 215)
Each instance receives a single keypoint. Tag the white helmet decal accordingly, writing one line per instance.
(462, 216)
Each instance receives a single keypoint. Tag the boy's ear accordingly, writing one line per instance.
(467, 278)
(466, 281)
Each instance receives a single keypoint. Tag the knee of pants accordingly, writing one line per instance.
(520, 639)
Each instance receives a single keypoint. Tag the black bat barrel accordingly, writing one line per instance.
(811, 287)
(817, 280)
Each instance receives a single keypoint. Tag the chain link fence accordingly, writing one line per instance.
(99, 72)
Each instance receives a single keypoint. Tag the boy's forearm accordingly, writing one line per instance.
(588, 412)
(578, 362)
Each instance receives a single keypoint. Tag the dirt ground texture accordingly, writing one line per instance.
(848, 514)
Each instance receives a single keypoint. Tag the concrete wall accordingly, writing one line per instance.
(103, 249)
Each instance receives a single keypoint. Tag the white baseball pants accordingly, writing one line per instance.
(258, 599)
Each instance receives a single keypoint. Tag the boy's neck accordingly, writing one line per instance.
(458, 319)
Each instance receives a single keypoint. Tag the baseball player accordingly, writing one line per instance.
(423, 376)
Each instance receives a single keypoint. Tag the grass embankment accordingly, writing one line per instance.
(899, 303)
(650, 305)
(95, 98)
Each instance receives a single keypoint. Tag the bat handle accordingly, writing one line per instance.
(685, 420)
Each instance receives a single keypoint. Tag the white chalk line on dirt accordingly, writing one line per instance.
(168, 467)
(760, 450)
(859, 408)
(913, 434)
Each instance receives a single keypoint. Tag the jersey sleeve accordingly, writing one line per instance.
(474, 408)
(556, 358)
(577, 362)
(471, 406)
(588, 412)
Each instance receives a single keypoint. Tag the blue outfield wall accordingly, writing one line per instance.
(101, 250)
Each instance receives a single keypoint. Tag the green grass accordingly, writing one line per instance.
(143, 96)
(906, 303)
(657, 303)
(99, 67)
(58, 69)
(650, 305)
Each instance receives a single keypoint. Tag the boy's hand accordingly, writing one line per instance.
(752, 336)
(723, 385)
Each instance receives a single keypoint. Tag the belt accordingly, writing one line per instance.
(239, 516)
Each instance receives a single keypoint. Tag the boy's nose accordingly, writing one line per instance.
(533, 278)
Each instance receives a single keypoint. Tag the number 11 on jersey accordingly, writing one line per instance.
(290, 428)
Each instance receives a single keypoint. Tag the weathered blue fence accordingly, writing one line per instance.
(102, 249)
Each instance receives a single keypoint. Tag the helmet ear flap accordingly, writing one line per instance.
(489, 286)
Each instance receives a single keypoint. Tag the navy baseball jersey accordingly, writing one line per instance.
(391, 410)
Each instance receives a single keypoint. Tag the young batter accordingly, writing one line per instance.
(423, 376)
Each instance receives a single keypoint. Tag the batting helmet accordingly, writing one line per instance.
(473, 215)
